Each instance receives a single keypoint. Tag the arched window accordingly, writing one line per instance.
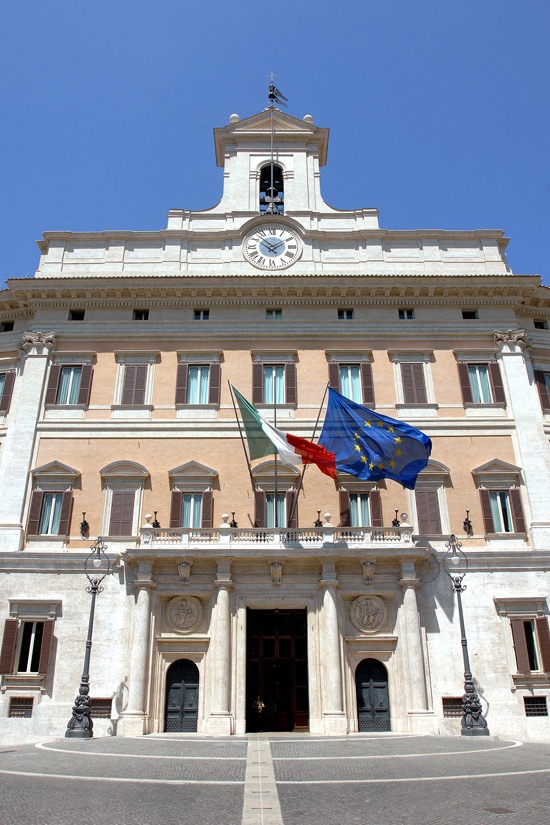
(272, 190)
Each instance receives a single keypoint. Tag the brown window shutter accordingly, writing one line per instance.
(291, 496)
(141, 382)
(334, 375)
(122, 513)
(257, 383)
(46, 646)
(465, 387)
(486, 510)
(128, 385)
(181, 384)
(7, 391)
(414, 388)
(53, 384)
(496, 384)
(345, 518)
(85, 384)
(65, 515)
(543, 390)
(215, 384)
(543, 635)
(427, 508)
(176, 507)
(375, 507)
(9, 643)
(517, 510)
(520, 646)
(259, 508)
(368, 384)
(135, 380)
(291, 390)
(207, 510)
(35, 510)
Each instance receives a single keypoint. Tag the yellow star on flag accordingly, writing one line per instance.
(398, 452)
(398, 439)
(390, 429)
(358, 448)
(364, 459)
(371, 466)
(392, 463)
(356, 436)
(380, 424)
(368, 424)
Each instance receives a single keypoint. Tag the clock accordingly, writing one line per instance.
(272, 246)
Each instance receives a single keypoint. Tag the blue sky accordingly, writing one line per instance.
(438, 111)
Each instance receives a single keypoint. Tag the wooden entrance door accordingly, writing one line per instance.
(373, 705)
(182, 697)
(277, 675)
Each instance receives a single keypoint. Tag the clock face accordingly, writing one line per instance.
(272, 247)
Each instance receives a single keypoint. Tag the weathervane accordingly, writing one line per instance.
(275, 97)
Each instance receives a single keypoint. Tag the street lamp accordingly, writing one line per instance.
(456, 567)
(96, 567)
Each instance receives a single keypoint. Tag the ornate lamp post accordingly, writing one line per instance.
(96, 567)
(456, 567)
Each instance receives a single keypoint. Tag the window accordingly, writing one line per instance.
(535, 705)
(140, 315)
(413, 380)
(50, 513)
(273, 509)
(470, 314)
(352, 380)
(123, 482)
(272, 193)
(531, 638)
(6, 326)
(7, 381)
(427, 512)
(274, 383)
(274, 314)
(27, 640)
(405, 314)
(481, 383)
(452, 707)
(121, 522)
(102, 708)
(21, 707)
(76, 314)
(201, 314)
(69, 385)
(542, 378)
(360, 509)
(198, 383)
(540, 324)
(414, 385)
(134, 382)
(192, 500)
(345, 315)
(502, 511)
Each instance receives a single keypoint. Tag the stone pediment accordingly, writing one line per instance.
(57, 469)
(124, 469)
(262, 122)
(496, 467)
(192, 469)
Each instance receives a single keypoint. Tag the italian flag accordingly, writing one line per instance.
(264, 439)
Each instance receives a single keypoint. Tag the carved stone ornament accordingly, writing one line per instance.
(511, 337)
(184, 613)
(368, 613)
(37, 340)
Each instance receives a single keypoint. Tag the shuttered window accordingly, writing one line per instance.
(69, 385)
(502, 511)
(198, 384)
(360, 509)
(427, 512)
(531, 644)
(191, 510)
(353, 380)
(265, 513)
(274, 383)
(7, 381)
(122, 513)
(50, 513)
(135, 382)
(481, 383)
(414, 384)
(26, 646)
(543, 385)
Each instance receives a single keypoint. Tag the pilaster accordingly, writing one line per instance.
(220, 721)
(334, 720)
(416, 674)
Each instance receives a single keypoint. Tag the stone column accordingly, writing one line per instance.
(524, 406)
(334, 720)
(18, 449)
(220, 720)
(416, 674)
(134, 718)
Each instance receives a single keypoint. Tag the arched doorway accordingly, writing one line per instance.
(182, 697)
(373, 705)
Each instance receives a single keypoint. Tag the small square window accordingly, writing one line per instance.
(536, 324)
(406, 314)
(21, 707)
(101, 708)
(345, 315)
(470, 314)
(535, 705)
(201, 314)
(141, 315)
(76, 315)
(274, 314)
(6, 326)
(452, 707)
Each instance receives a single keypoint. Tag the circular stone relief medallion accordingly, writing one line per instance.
(368, 613)
(184, 613)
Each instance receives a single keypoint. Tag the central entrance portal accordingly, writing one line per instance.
(276, 670)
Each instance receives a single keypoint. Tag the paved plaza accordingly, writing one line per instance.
(275, 779)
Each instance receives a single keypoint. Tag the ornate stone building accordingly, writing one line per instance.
(327, 607)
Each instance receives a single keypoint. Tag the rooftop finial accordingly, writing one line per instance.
(275, 96)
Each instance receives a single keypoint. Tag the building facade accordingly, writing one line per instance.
(239, 599)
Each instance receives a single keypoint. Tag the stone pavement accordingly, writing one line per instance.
(276, 779)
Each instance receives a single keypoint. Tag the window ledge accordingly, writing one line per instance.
(66, 406)
(469, 405)
(529, 680)
(24, 681)
(197, 406)
(149, 407)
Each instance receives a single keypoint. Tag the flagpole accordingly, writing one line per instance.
(242, 439)
(304, 468)
(274, 390)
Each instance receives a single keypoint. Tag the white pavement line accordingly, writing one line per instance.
(261, 800)
(141, 755)
(467, 776)
(129, 779)
(395, 755)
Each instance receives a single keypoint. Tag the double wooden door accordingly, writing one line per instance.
(373, 705)
(182, 697)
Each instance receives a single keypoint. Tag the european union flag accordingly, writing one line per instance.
(372, 446)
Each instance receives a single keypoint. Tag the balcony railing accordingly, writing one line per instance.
(225, 537)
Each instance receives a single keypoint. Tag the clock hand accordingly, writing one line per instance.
(277, 245)
(269, 245)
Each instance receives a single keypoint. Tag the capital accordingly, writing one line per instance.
(38, 341)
